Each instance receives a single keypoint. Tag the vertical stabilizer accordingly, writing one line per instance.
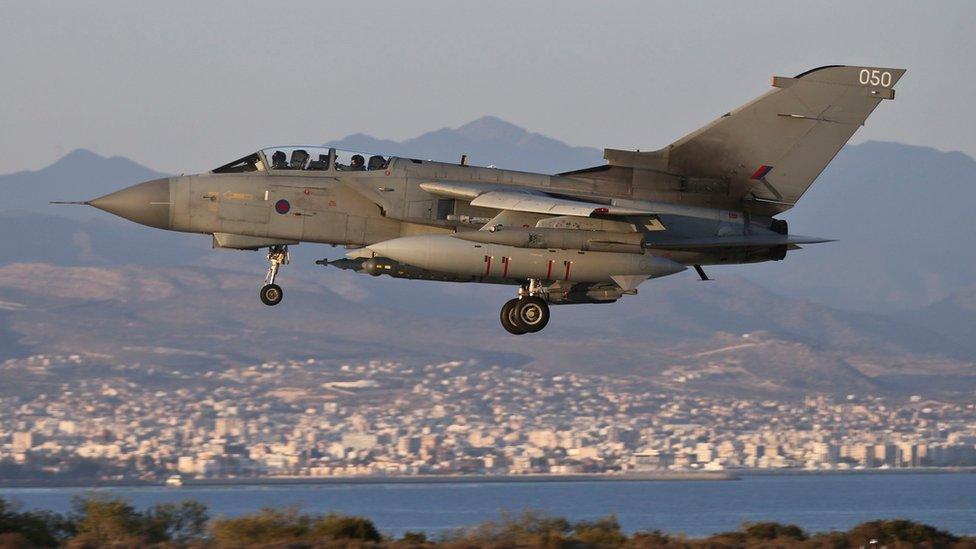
(771, 149)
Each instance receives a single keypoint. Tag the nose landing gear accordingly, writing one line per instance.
(527, 314)
(272, 293)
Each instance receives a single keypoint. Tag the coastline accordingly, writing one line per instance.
(821, 503)
(874, 471)
(649, 476)
(479, 479)
(664, 476)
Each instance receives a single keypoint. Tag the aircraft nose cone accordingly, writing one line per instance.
(146, 203)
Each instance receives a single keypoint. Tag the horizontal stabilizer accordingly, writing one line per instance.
(737, 241)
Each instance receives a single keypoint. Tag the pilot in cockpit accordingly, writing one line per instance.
(279, 160)
(358, 163)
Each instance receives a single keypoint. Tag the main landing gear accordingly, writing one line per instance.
(528, 313)
(271, 293)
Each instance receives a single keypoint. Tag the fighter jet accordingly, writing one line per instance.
(586, 236)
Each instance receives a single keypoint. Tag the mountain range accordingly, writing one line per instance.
(890, 307)
(488, 141)
(900, 213)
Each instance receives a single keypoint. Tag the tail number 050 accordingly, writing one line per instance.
(875, 77)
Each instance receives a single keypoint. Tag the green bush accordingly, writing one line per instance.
(533, 529)
(773, 530)
(335, 526)
(601, 533)
(413, 539)
(892, 531)
(98, 521)
(179, 522)
(37, 528)
(270, 526)
(653, 538)
(264, 527)
(528, 529)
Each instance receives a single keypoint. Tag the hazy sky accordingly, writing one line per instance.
(186, 86)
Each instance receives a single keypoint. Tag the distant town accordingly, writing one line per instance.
(80, 418)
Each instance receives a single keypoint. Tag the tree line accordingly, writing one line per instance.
(97, 521)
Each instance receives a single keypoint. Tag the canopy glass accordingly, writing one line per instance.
(306, 159)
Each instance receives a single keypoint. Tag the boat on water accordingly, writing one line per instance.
(174, 481)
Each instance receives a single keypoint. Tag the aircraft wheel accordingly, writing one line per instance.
(508, 317)
(532, 314)
(271, 294)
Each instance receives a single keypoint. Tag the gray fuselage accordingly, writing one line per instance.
(366, 207)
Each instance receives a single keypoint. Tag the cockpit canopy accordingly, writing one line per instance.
(306, 159)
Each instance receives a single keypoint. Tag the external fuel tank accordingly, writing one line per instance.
(445, 253)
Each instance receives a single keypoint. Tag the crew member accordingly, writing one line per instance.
(358, 163)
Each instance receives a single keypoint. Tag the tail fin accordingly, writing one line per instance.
(771, 149)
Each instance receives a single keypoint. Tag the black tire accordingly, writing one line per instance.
(271, 294)
(532, 314)
(508, 317)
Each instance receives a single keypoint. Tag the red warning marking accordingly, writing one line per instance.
(505, 261)
(568, 265)
(733, 215)
(488, 265)
(601, 210)
(549, 271)
(761, 172)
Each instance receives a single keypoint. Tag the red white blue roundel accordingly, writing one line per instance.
(282, 206)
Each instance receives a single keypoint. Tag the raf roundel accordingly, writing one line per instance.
(282, 206)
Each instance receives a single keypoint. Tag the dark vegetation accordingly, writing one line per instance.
(98, 521)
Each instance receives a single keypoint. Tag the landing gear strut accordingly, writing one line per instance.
(271, 293)
(527, 314)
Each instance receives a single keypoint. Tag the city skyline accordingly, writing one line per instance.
(312, 418)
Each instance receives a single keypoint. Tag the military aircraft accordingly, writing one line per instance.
(586, 236)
